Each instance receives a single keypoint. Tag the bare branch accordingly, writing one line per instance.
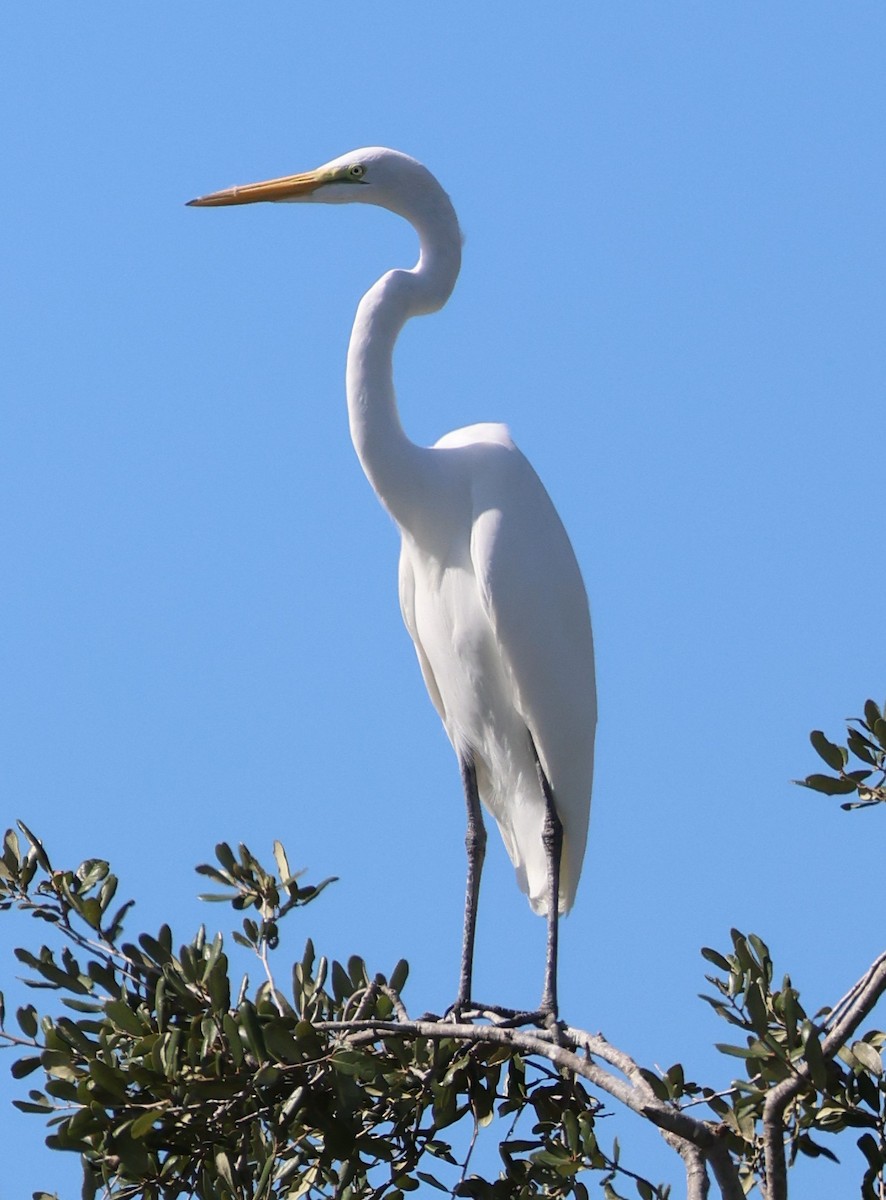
(725, 1172)
(846, 1007)
(697, 1183)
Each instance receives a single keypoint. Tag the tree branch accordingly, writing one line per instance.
(694, 1140)
(697, 1183)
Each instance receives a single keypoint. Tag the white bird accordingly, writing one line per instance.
(490, 589)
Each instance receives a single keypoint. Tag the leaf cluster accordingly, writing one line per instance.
(866, 743)
(170, 1082)
(840, 1087)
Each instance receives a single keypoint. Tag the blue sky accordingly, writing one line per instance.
(672, 292)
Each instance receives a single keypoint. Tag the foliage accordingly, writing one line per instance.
(169, 1087)
(866, 742)
(836, 1091)
(170, 1080)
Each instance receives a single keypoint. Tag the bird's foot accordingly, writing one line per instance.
(543, 1018)
(500, 1016)
(462, 1010)
(473, 1010)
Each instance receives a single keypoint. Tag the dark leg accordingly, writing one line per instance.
(475, 844)
(552, 838)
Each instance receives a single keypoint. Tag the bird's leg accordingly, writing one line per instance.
(552, 839)
(475, 844)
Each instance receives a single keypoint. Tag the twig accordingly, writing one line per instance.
(366, 1002)
(263, 955)
(635, 1094)
(399, 1006)
(475, 1133)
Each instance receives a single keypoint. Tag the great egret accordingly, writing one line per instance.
(490, 589)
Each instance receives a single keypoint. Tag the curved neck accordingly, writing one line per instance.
(393, 464)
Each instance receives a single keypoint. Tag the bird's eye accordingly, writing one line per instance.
(357, 171)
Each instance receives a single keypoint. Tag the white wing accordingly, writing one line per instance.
(406, 583)
(534, 597)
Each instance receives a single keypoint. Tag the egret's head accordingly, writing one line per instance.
(373, 175)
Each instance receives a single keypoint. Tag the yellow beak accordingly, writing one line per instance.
(286, 188)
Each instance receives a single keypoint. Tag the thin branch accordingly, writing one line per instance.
(263, 958)
(366, 1001)
(475, 1133)
(636, 1094)
(726, 1093)
(12, 1039)
(399, 1006)
(845, 1004)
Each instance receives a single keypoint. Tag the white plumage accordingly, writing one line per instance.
(490, 589)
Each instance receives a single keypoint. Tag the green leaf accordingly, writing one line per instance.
(282, 863)
(357, 971)
(610, 1193)
(155, 948)
(814, 1059)
(108, 1079)
(835, 756)
(341, 983)
(225, 856)
(713, 956)
(57, 1063)
(571, 1131)
(812, 1149)
(223, 1166)
(858, 777)
(121, 1015)
(869, 1057)
(657, 1084)
(792, 1012)
(861, 747)
(399, 975)
(869, 1148)
(115, 926)
(27, 1020)
(42, 1107)
(232, 1034)
(41, 854)
(72, 1033)
(675, 1078)
(252, 1028)
(827, 784)
(281, 1045)
(25, 1066)
(755, 1051)
(144, 1123)
(431, 1180)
